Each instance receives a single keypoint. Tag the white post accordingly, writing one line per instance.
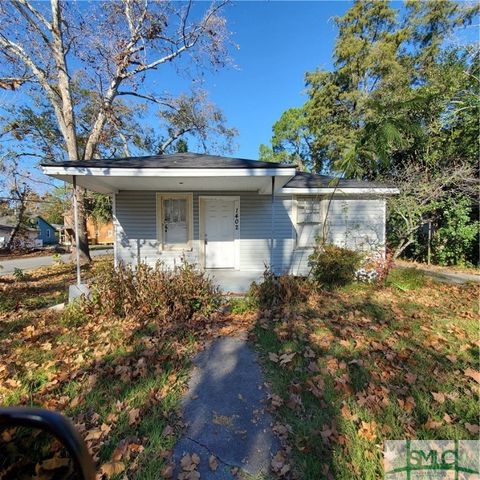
(75, 214)
(115, 230)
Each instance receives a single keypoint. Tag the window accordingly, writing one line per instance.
(48, 233)
(174, 221)
(308, 220)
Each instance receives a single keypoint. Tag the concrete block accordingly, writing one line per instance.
(76, 291)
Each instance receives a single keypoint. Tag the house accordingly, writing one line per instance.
(47, 233)
(228, 213)
(98, 232)
(26, 238)
(5, 233)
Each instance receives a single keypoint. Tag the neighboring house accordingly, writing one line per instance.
(47, 233)
(5, 232)
(228, 213)
(98, 232)
(26, 238)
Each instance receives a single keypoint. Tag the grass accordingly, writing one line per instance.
(118, 379)
(372, 364)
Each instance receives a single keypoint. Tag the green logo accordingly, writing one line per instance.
(433, 459)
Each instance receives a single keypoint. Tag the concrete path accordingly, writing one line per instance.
(31, 263)
(224, 410)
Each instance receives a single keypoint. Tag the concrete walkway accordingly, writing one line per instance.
(224, 410)
(31, 263)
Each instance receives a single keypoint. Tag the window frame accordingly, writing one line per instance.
(297, 199)
(160, 196)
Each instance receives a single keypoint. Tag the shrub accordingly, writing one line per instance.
(275, 290)
(240, 305)
(19, 275)
(73, 315)
(376, 268)
(165, 294)
(333, 266)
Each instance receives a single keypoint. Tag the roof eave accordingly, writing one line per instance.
(167, 172)
(384, 191)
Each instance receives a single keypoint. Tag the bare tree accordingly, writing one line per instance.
(113, 43)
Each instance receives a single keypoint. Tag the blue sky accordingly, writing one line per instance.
(279, 41)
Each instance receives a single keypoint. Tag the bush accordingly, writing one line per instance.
(165, 294)
(375, 269)
(333, 266)
(275, 290)
(240, 305)
(19, 275)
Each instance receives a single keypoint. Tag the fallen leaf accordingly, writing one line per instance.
(411, 378)
(273, 357)
(286, 358)
(212, 463)
(112, 468)
(368, 431)
(167, 471)
(189, 462)
(346, 413)
(54, 463)
(408, 404)
(133, 416)
(472, 428)
(439, 397)
(470, 372)
(93, 434)
(432, 424)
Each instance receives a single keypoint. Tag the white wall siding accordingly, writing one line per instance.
(356, 223)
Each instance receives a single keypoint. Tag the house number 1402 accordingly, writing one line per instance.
(236, 220)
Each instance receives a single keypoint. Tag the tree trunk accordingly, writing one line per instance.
(13, 236)
(70, 132)
(82, 228)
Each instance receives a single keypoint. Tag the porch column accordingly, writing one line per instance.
(115, 230)
(75, 221)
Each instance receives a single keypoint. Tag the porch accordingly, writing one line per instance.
(234, 281)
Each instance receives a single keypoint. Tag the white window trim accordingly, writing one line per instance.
(323, 207)
(236, 233)
(160, 237)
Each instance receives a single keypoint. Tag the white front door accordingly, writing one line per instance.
(219, 233)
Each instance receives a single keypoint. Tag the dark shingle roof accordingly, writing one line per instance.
(177, 160)
(309, 180)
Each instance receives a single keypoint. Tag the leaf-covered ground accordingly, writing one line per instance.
(118, 379)
(352, 368)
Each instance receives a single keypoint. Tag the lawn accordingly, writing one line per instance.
(118, 379)
(348, 368)
(353, 367)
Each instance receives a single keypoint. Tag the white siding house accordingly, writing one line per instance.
(229, 214)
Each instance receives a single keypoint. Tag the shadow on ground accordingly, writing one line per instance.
(224, 410)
